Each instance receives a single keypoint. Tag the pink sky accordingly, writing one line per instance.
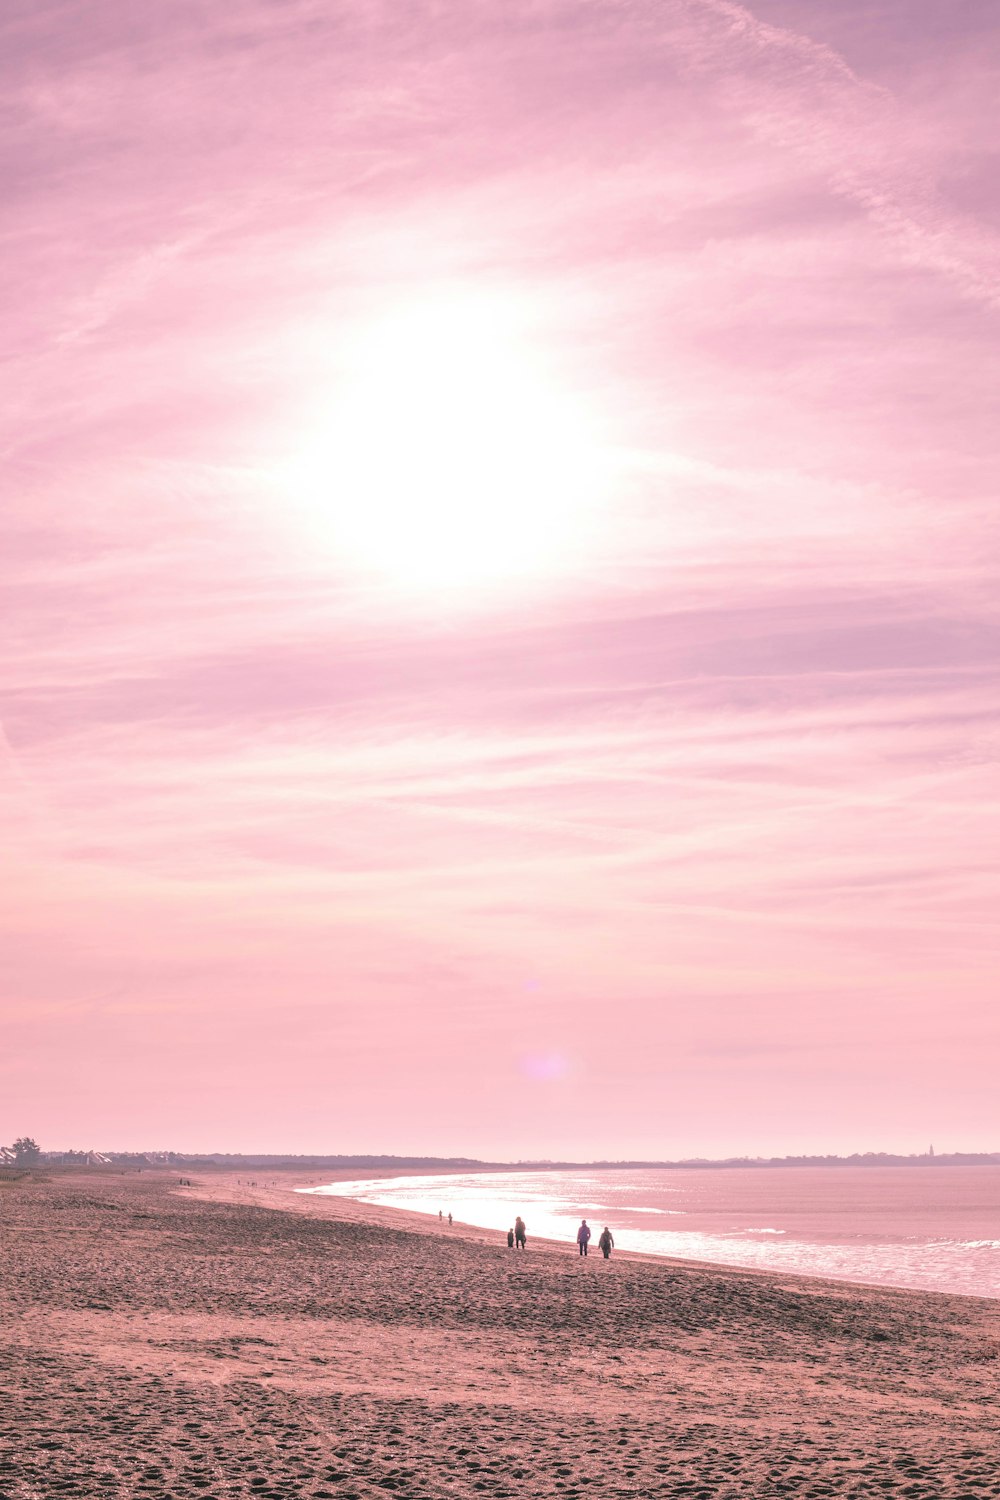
(660, 819)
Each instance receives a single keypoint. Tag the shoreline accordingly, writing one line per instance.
(299, 1189)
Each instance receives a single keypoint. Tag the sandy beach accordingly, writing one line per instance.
(224, 1340)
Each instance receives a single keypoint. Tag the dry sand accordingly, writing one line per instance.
(220, 1340)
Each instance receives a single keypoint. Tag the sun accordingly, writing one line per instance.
(448, 456)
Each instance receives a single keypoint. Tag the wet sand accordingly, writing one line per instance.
(222, 1340)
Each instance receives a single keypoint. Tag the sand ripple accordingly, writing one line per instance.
(158, 1344)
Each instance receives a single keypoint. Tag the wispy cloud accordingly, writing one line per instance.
(719, 785)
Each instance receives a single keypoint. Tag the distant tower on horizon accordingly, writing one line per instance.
(930, 1150)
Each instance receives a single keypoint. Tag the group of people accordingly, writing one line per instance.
(518, 1237)
(605, 1241)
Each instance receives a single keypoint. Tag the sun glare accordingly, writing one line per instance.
(448, 456)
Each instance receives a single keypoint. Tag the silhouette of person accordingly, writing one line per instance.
(449, 1220)
(583, 1236)
(606, 1241)
(520, 1233)
(440, 1213)
(510, 1239)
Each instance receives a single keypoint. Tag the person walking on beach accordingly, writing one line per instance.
(520, 1233)
(583, 1236)
(510, 1239)
(449, 1219)
(606, 1242)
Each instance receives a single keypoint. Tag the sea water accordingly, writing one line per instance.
(935, 1228)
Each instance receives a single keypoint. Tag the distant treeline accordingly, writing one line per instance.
(859, 1159)
(471, 1164)
(334, 1163)
(232, 1161)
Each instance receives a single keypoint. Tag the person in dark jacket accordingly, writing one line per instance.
(510, 1239)
(606, 1241)
(583, 1236)
(520, 1233)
